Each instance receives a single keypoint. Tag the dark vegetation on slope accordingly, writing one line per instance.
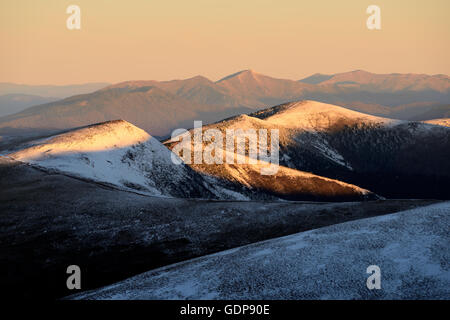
(398, 162)
(50, 221)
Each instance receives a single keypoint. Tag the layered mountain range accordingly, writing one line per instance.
(17, 97)
(161, 106)
(108, 197)
(326, 152)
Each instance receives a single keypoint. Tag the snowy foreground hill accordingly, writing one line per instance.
(410, 247)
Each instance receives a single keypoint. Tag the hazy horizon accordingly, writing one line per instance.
(213, 80)
(178, 40)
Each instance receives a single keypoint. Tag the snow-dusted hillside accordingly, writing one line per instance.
(392, 158)
(297, 119)
(288, 183)
(410, 247)
(120, 154)
(440, 122)
(316, 116)
(116, 153)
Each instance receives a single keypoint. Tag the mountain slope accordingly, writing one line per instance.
(280, 180)
(392, 158)
(260, 90)
(142, 105)
(316, 78)
(440, 122)
(60, 91)
(390, 82)
(435, 112)
(119, 154)
(410, 247)
(114, 234)
(15, 102)
(161, 106)
(316, 116)
(360, 149)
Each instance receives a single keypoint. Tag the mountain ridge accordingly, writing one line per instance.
(357, 148)
(161, 106)
(120, 154)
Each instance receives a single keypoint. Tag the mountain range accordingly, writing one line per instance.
(326, 152)
(15, 102)
(17, 97)
(118, 154)
(108, 197)
(56, 91)
(161, 106)
(342, 144)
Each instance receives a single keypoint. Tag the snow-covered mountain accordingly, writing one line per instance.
(440, 122)
(116, 153)
(392, 158)
(120, 154)
(389, 157)
(410, 248)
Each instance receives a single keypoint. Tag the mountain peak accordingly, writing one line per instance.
(243, 74)
(116, 153)
(314, 115)
(131, 84)
(316, 78)
(102, 136)
(360, 71)
(199, 78)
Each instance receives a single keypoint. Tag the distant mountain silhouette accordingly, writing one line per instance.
(389, 82)
(58, 91)
(16, 102)
(316, 78)
(161, 106)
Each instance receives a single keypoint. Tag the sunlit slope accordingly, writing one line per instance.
(120, 154)
(440, 122)
(117, 153)
(392, 158)
(279, 180)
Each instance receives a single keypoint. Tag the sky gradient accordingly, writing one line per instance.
(162, 40)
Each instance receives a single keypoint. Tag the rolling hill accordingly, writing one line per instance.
(410, 248)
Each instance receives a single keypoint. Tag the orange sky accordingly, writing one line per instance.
(148, 39)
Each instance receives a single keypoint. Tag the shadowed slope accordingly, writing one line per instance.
(410, 247)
